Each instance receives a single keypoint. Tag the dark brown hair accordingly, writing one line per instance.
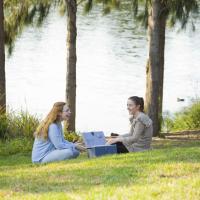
(138, 101)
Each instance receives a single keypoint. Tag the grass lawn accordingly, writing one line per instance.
(170, 171)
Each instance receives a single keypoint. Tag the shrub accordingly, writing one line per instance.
(186, 119)
(20, 124)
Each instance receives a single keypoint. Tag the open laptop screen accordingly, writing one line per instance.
(93, 139)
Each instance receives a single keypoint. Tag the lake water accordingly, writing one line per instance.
(111, 58)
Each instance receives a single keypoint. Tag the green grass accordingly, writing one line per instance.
(170, 171)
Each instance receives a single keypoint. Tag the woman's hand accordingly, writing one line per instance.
(114, 134)
(114, 140)
(80, 147)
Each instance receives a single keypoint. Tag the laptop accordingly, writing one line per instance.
(95, 143)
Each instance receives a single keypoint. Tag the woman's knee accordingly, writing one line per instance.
(67, 154)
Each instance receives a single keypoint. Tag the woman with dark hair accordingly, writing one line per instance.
(140, 135)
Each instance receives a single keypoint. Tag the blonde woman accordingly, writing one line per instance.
(49, 144)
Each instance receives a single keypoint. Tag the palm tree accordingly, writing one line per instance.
(14, 16)
(2, 61)
(71, 61)
(71, 54)
(155, 16)
(19, 14)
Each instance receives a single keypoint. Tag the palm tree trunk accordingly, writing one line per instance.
(71, 61)
(155, 64)
(2, 61)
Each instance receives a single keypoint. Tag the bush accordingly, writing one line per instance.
(16, 132)
(189, 118)
(16, 145)
(72, 136)
(186, 119)
(20, 124)
(4, 124)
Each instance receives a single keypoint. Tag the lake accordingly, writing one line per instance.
(111, 59)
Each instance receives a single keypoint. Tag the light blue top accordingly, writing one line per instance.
(55, 140)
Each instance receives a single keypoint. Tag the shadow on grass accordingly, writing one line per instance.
(82, 174)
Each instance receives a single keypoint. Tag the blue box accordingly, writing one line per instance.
(95, 143)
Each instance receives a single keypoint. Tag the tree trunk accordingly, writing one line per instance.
(2, 62)
(71, 61)
(155, 64)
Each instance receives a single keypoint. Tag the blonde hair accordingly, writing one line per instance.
(52, 117)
